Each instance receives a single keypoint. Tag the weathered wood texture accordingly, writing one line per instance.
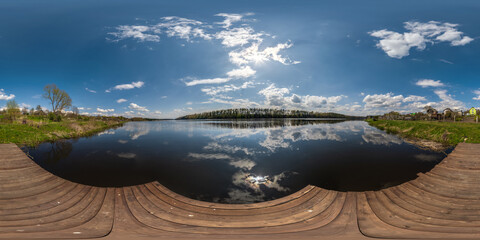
(442, 204)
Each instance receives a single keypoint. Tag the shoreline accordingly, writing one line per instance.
(427, 144)
(432, 135)
(33, 134)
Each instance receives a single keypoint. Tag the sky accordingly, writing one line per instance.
(165, 59)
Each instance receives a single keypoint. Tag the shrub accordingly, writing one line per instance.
(51, 116)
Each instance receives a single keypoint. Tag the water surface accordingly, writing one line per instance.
(238, 161)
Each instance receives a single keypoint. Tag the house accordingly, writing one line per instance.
(433, 114)
(472, 111)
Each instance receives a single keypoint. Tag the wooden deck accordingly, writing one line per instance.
(442, 204)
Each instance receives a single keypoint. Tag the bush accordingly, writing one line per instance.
(54, 117)
(51, 116)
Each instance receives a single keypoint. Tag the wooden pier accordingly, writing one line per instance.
(441, 204)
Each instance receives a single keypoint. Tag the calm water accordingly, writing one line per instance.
(238, 161)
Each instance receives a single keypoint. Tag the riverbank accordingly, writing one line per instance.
(431, 134)
(33, 131)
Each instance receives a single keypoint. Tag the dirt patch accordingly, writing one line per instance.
(427, 144)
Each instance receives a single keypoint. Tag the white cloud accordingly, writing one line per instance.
(274, 96)
(388, 100)
(239, 36)
(24, 105)
(234, 103)
(398, 45)
(207, 81)
(429, 83)
(137, 107)
(121, 100)
(90, 90)
(4, 96)
(214, 91)
(230, 18)
(252, 54)
(173, 26)
(105, 110)
(243, 72)
(247, 45)
(183, 28)
(127, 86)
(381, 103)
(413, 98)
(477, 92)
(445, 61)
(447, 101)
(278, 97)
(245, 164)
(136, 32)
(320, 101)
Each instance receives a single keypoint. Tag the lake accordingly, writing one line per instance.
(240, 161)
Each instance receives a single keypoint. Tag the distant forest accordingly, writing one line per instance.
(249, 113)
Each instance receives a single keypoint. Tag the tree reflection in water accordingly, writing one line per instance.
(57, 150)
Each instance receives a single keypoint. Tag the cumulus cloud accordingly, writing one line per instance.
(413, 98)
(279, 97)
(388, 100)
(429, 83)
(418, 35)
(136, 107)
(4, 96)
(447, 101)
(101, 110)
(381, 103)
(243, 72)
(121, 100)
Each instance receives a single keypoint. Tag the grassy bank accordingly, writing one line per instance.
(446, 133)
(34, 130)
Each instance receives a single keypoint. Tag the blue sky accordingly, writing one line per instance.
(169, 58)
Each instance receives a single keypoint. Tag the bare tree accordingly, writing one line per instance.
(12, 109)
(75, 110)
(39, 110)
(59, 99)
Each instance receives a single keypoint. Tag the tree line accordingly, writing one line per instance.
(251, 113)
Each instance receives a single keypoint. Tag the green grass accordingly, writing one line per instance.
(38, 130)
(449, 133)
